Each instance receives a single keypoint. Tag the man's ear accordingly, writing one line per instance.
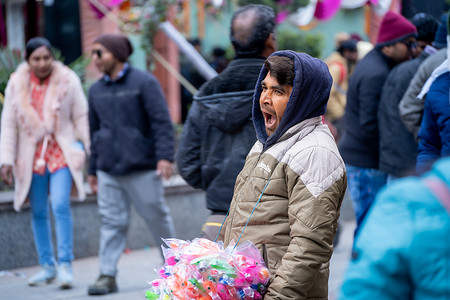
(271, 45)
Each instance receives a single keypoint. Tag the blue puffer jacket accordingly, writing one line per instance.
(403, 248)
(434, 133)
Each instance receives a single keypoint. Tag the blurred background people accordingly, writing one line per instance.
(363, 47)
(191, 74)
(44, 130)
(132, 151)
(411, 106)
(359, 145)
(434, 133)
(341, 64)
(398, 147)
(218, 60)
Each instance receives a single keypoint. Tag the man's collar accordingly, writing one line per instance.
(119, 76)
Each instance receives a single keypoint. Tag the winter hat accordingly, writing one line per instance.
(35, 43)
(440, 39)
(394, 28)
(119, 45)
(349, 45)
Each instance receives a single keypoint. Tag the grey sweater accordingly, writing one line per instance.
(411, 108)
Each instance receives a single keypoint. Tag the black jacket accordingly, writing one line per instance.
(129, 123)
(359, 145)
(398, 147)
(219, 133)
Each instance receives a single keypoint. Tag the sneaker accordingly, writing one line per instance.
(105, 284)
(65, 275)
(46, 275)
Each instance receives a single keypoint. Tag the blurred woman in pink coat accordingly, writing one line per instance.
(44, 131)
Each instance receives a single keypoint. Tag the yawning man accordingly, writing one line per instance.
(291, 187)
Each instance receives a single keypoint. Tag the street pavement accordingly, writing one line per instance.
(136, 268)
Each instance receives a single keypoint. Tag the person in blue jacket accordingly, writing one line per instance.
(434, 133)
(402, 250)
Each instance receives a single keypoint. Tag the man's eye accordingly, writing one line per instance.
(264, 88)
(278, 92)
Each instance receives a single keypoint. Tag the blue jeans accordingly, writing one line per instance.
(363, 185)
(60, 187)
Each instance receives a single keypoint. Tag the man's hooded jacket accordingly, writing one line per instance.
(218, 132)
(295, 181)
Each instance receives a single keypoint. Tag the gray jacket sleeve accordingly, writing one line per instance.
(410, 107)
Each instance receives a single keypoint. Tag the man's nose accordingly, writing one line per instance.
(266, 97)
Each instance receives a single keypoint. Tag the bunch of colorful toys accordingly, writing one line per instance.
(204, 270)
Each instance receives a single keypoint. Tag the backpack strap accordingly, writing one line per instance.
(342, 75)
(440, 190)
(343, 72)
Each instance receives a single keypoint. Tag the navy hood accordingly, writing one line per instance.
(309, 97)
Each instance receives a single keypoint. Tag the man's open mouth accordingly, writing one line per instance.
(269, 119)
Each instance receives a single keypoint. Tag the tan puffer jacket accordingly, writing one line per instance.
(295, 222)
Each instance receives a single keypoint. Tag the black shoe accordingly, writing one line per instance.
(104, 285)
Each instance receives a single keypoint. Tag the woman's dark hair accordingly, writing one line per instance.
(249, 40)
(35, 43)
(281, 68)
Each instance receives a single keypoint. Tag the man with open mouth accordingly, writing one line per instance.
(288, 195)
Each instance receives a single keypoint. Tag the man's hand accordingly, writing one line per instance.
(7, 175)
(164, 169)
(93, 183)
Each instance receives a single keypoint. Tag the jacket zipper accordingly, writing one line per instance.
(264, 255)
(116, 154)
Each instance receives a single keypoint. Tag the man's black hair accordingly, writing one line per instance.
(426, 27)
(218, 51)
(249, 39)
(195, 42)
(281, 68)
(349, 45)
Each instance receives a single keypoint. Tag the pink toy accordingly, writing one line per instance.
(223, 292)
(204, 270)
(171, 261)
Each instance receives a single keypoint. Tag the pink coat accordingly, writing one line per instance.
(65, 114)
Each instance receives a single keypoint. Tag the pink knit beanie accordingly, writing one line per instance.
(394, 28)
